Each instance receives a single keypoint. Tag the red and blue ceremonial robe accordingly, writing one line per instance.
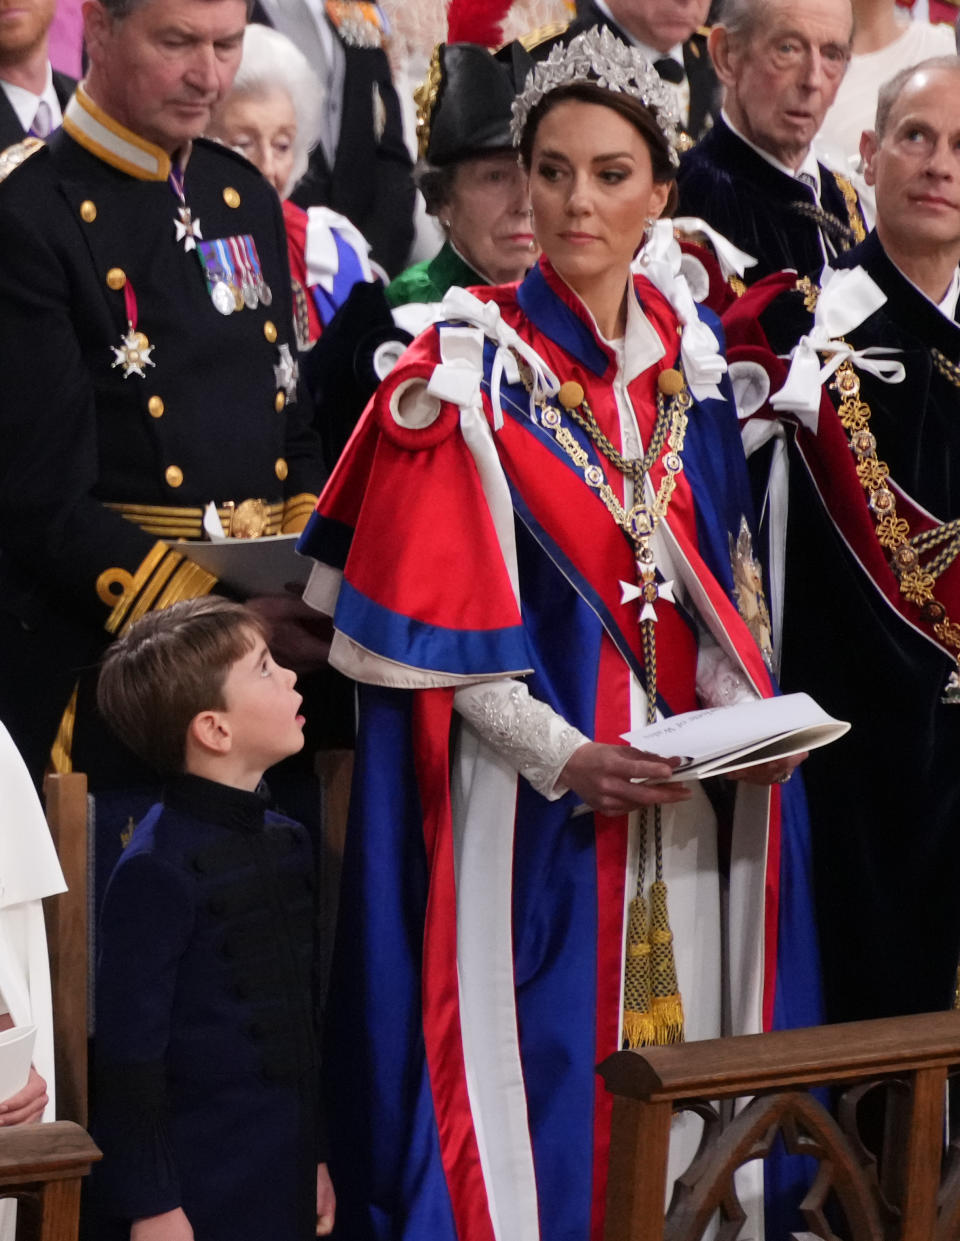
(477, 974)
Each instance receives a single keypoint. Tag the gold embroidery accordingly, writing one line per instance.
(853, 206)
(810, 291)
(916, 581)
(748, 588)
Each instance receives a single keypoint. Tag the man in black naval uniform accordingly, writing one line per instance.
(361, 166)
(671, 34)
(147, 354)
(754, 177)
(32, 93)
(871, 598)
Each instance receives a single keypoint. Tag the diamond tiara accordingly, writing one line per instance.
(598, 56)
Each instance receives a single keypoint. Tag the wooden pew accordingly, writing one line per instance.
(42, 1167)
(913, 1194)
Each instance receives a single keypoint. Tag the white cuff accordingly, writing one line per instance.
(720, 683)
(525, 732)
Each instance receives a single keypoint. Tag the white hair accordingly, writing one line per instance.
(273, 62)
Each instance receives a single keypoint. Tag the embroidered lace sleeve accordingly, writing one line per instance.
(525, 732)
(720, 683)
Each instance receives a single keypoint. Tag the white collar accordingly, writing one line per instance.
(651, 53)
(640, 346)
(948, 306)
(809, 165)
(97, 131)
(24, 102)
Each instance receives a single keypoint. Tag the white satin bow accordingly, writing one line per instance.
(458, 304)
(703, 364)
(847, 298)
(732, 260)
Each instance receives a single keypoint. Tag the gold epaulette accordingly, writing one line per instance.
(14, 155)
(357, 22)
(163, 577)
(541, 34)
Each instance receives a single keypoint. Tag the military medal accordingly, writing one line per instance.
(231, 268)
(248, 286)
(286, 372)
(222, 296)
(219, 275)
(133, 352)
(256, 271)
(188, 229)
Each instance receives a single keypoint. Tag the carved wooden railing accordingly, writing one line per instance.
(911, 1194)
(42, 1167)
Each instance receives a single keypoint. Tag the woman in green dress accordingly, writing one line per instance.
(468, 174)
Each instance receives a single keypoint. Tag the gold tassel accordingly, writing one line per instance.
(667, 1005)
(638, 1022)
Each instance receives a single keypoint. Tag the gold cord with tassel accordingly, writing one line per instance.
(652, 1007)
(638, 1021)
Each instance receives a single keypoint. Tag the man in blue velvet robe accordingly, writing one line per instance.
(754, 176)
(870, 598)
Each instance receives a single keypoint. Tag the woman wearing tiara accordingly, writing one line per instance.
(535, 541)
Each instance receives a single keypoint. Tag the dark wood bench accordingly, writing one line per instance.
(912, 1194)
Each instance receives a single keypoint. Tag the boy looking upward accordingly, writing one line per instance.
(207, 1105)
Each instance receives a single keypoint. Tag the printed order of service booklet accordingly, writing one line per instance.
(264, 566)
(16, 1055)
(721, 739)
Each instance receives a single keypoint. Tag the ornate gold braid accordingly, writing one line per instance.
(629, 467)
(845, 186)
(669, 432)
(842, 233)
(949, 370)
(916, 581)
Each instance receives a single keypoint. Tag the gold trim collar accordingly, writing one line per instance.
(97, 132)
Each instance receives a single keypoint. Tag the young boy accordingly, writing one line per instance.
(206, 1096)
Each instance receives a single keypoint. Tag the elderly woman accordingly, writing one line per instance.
(469, 177)
(271, 116)
(537, 540)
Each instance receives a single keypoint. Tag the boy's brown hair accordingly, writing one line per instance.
(169, 667)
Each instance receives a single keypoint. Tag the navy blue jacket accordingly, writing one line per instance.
(206, 1064)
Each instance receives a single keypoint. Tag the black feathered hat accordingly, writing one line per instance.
(463, 105)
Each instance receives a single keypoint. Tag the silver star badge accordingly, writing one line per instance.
(133, 354)
(188, 229)
(286, 372)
